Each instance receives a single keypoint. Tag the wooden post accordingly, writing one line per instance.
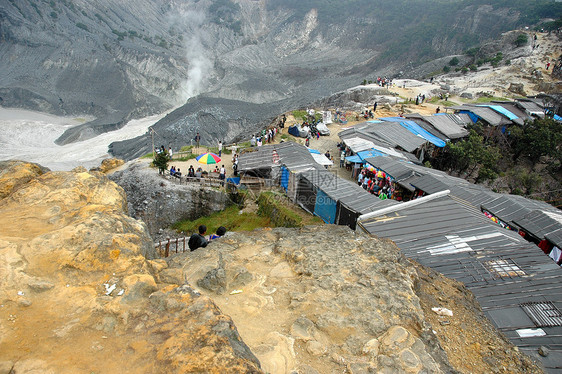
(176, 245)
(167, 251)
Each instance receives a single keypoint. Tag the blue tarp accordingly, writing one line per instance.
(355, 159)
(293, 130)
(235, 181)
(557, 118)
(416, 129)
(313, 151)
(370, 153)
(374, 121)
(500, 109)
(284, 177)
(325, 207)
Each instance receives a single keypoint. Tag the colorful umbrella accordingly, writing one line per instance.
(208, 158)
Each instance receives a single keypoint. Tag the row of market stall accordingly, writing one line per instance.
(308, 183)
(416, 137)
(484, 239)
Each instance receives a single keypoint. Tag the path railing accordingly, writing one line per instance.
(181, 154)
(168, 246)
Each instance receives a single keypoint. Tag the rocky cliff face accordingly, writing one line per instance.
(161, 202)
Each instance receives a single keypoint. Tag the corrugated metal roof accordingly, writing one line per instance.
(428, 127)
(398, 170)
(531, 107)
(488, 115)
(555, 237)
(336, 188)
(510, 208)
(366, 202)
(522, 116)
(260, 158)
(357, 144)
(416, 129)
(501, 110)
(294, 156)
(397, 136)
(429, 184)
(448, 124)
(540, 223)
(432, 228)
(501, 269)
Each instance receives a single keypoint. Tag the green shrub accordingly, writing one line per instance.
(446, 69)
(473, 67)
(300, 114)
(522, 39)
(472, 52)
(454, 61)
(270, 205)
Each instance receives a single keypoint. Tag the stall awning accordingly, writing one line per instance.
(321, 159)
(355, 159)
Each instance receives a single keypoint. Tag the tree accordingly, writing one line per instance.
(471, 155)
(522, 39)
(454, 61)
(541, 137)
(446, 69)
(161, 162)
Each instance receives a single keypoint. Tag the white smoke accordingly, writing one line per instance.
(200, 65)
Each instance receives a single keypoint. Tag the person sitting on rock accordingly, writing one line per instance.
(172, 170)
(198, 240)
(191, 171)
(220, 232)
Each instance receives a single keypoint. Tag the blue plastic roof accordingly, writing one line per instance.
(313, 151)
(500, 109)
(355, 159)
(416, 129)
(370, 153)
(557, 117)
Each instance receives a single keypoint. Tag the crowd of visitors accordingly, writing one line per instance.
(266, 136)
(377, 183)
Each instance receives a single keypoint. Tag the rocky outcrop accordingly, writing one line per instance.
(325, 299)
(160, 202)
(81, 289)
(14, 174)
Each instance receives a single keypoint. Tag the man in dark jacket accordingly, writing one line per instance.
(198, 240)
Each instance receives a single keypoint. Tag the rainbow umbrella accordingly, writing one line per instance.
(208, 158)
